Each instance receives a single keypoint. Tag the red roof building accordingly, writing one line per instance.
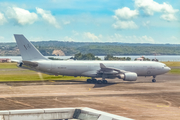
(2, 60)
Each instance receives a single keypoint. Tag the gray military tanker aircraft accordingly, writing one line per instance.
(127, 70)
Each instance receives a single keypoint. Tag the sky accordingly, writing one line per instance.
(126, 21)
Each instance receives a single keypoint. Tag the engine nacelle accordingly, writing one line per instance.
(19, 64)
(129, 76)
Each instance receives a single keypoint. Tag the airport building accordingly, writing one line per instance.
(2, 60)
(59, 114)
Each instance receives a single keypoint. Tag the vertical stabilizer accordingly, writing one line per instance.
(27, 49)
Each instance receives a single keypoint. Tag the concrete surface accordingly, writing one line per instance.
(141, 100)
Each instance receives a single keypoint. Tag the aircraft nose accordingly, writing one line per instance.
(167, 69)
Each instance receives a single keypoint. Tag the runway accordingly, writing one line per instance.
(142, 99)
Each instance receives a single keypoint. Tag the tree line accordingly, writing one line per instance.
(98, 49)
(90, 56)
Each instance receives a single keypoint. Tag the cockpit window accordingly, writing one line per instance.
(165, 66)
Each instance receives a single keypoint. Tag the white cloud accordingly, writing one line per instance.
(168, 17)
(129, 39)
(140, 39)
(66, 22)
(146, 24)
(125, 13)
(147, 39)
(46, 15)
(124, 25)
(1, 38)
(123, 18)
(100, 36)
(114, 38)
(21, 16)
(150, 7)
(91, 36)
(2, 19)
(68, 39)
(174, 38)
(36, 39)
(75, 33)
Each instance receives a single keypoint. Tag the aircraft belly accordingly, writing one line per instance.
(69, 70)
(45, 67)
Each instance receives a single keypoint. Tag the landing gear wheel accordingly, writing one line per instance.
(94, 81)
(99, 82)
(104, 81)
(89, 81)
(153, 80)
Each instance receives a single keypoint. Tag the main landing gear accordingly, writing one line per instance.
(154, 80)
(97, 81)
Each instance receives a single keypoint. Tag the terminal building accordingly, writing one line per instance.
(2, 60)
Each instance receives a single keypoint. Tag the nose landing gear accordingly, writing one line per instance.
(154, 80)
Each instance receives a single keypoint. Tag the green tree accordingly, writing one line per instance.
(88, 56)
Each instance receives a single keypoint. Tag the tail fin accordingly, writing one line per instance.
(27, 49)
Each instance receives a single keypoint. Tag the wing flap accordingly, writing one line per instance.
(109, 70)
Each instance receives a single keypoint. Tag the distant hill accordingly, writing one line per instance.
(97, 48)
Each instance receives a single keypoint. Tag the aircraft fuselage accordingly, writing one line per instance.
(77, 68)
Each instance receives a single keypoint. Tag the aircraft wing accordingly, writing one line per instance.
(13, 60)
(109, 70)
(103, 70)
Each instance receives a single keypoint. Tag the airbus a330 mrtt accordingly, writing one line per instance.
(126, 70)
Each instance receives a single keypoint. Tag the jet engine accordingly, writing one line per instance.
(19, 64)
(128, 76)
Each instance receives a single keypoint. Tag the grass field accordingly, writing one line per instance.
(175, 71)
(10, 72)
(172, 64)
(8, 65)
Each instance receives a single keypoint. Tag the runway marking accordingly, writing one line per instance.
(145, 106)
(162, 106)
(15, 101)
(56, 99)
(89, 89)
(10, 88)
(169, 103)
